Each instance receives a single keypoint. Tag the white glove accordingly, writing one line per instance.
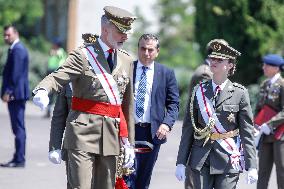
(265, 129)
(41, 98)
(55, 156)
(129, 154)
(180, 172)
(252, 176)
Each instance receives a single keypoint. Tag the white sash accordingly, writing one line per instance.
(228, 144)
(105, 78)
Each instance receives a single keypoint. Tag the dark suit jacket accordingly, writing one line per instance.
(164, 99)
(15, 74)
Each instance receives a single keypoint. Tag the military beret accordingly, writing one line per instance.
(121, 18)
(219, 48)
(273, 60)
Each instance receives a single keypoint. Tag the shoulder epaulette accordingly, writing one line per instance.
(89, 38)
(239, 86)
(123, 51)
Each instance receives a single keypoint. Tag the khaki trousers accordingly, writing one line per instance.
(90, 171)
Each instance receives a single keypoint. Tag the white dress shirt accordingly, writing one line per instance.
(14, 43)
(147, 103)
(105, 48)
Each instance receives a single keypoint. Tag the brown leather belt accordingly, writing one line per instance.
(230, 134)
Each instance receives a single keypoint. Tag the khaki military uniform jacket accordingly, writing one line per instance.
(273, 96)
(84, 131)
(233, 100)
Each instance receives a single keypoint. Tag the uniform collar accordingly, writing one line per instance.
(104, 46)
(222, 86)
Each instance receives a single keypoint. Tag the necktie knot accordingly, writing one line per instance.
(110, 51)
(144, 68)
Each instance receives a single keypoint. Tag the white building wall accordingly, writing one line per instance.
(90, 11)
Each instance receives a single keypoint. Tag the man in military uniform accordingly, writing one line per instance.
(271, 147)
(100, 120)
(58, 123)
(217, 135)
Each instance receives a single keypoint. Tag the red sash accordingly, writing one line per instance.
(264, 115)
(101, 108)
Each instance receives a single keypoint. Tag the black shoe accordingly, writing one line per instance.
(12, 164)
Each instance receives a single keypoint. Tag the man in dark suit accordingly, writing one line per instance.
(156, 107)
(15, 91)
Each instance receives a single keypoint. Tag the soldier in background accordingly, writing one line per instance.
(58, 123)
(218, 125)
(271, 94)
(101, 116)
(201, 73)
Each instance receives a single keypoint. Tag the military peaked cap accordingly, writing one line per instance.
(121, 18)
(221, 49)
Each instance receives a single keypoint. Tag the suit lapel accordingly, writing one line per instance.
(156, 79)
(101, 56)
(134, 72)
(226, 93)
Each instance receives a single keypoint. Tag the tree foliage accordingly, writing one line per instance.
(176, 32)
(255, 28)
(22, 13)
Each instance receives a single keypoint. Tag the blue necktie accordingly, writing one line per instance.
(141, 92)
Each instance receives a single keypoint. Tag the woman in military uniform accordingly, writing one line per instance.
(271, 147)
(217, 135)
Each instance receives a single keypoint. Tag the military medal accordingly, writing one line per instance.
(231, 117)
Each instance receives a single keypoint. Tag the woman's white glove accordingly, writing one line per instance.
(41, 98)
(129, 154)
(252, 176)
(55, 156)
(180, 172)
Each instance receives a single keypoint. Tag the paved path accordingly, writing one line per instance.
(39, 173)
